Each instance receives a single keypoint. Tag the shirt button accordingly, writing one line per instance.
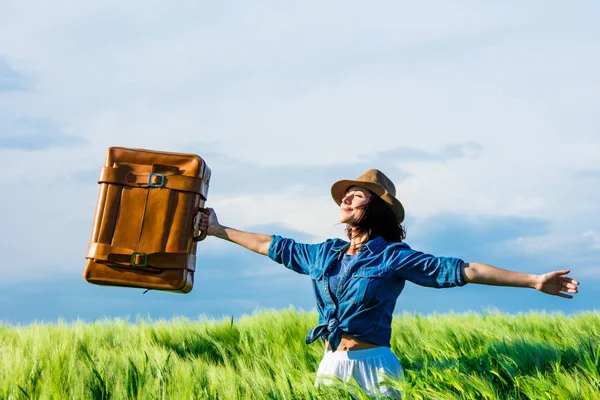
(340, 286)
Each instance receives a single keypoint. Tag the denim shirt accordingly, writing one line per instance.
(368, 288)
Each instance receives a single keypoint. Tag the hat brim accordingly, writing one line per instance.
(339, 189)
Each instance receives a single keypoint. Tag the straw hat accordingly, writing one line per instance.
(376, 182)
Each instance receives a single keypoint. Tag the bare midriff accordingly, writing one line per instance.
(349, 343)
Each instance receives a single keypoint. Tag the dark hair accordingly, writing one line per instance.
(378, 219)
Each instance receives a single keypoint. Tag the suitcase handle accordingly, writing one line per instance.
(203, 234)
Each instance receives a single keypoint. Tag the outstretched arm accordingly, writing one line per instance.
(256, 242)
(554, 283)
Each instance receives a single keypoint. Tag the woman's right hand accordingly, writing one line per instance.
(209, 223)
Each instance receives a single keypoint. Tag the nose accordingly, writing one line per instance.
(347, 199)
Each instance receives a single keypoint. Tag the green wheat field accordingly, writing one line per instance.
(263, 356)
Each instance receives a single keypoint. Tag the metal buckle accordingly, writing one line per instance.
(134, 257)
(161, 181)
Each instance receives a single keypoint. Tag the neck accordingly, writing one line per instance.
(357, 240)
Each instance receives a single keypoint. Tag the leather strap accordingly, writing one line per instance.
(124, 176)
(130, 258)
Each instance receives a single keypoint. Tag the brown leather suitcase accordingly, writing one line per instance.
(145, 229)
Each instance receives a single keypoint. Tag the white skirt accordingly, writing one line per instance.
(369, 367)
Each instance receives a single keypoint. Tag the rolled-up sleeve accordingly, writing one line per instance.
(298, 257)
(428, 270)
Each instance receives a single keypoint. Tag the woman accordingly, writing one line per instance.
(357, 283)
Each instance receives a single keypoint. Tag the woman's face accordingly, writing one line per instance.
(349, 208)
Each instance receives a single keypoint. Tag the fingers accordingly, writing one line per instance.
(203, 225)
(561, 272)
(208, 220)
(569, 289)
(568, 285)
(566, 296)
(570, 280)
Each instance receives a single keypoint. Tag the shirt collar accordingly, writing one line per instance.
(372, 245)
(340, 245)
(375, 244)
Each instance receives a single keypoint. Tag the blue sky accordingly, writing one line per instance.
(484, 116)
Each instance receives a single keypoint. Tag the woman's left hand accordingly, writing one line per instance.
(556, 283)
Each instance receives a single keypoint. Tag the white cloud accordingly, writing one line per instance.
(593, 238)
(591, 272)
